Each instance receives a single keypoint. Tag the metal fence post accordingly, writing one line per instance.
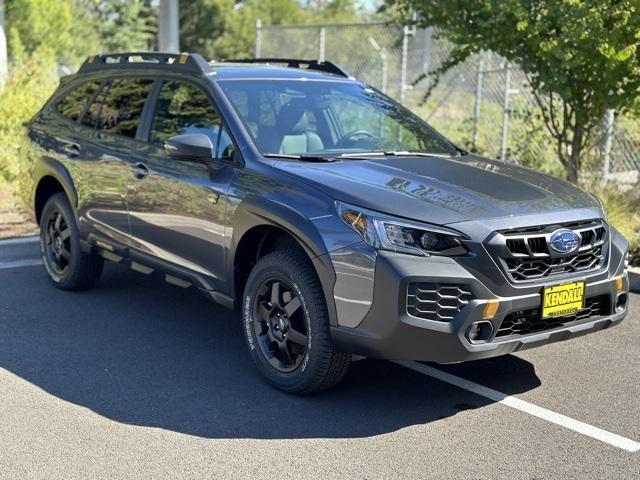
(476, 109)
(258, 37)
(426, 65)
(505, 113)
(383, 61)
(403, 65)
(608, 141)
(321, 53)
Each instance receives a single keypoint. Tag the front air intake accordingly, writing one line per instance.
(440, 302)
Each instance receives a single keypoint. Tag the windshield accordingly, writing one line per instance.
(328, 118)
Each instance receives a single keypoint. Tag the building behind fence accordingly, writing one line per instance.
(484, 104)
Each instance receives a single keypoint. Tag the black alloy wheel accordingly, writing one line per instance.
(279, 325)
(67, 265)
(57, 243)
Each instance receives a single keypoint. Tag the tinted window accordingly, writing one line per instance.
(121, 107)
(72, 104)
(225, 146)
(91, 116)
(183, 108)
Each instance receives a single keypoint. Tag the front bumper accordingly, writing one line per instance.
(388, 331)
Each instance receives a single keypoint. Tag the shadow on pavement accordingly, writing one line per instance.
(142, 352)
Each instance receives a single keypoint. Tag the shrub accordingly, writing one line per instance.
(623, 212)
(30, 84)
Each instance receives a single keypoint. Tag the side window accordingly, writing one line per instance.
(73, 103)
(226, 148)
(121, 107)
(183, 108)
(91, 116)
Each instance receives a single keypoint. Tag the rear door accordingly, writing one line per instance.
(177, 208)
(107, 155)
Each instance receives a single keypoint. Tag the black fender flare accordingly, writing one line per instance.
(255, 212)
(48, 167)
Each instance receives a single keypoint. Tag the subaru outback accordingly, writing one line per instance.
(339, 223)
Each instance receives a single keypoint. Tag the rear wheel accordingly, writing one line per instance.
(287, 326)
(67, 265)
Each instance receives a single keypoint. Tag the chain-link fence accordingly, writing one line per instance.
(483, 104)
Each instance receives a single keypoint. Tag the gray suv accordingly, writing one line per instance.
(337, 221)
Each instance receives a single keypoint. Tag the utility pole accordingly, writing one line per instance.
(3, 49)
(168, 26)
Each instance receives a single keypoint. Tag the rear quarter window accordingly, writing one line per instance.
(73, 103)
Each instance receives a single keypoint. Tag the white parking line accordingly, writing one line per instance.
(531, 409)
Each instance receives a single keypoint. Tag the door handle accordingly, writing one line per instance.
(141, 171)
(72, 150)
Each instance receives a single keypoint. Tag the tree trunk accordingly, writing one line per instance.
(575, 157)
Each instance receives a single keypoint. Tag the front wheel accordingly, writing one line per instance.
(286, 325)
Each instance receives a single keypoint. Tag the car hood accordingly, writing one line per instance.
(441, 190)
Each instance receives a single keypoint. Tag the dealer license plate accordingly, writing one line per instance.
(561, 300)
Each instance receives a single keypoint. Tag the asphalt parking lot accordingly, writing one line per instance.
(140, 379)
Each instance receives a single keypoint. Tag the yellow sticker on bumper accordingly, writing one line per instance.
(563, 300)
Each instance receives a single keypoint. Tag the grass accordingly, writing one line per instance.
(623, 212)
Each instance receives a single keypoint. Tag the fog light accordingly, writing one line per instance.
(618, 283)
(490, 309)
(479, 332)
(621, 303)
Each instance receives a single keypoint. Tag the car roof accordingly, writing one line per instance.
(239, 71)
(192, 63)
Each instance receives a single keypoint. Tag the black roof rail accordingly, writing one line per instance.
(180, 62)
(324, 66)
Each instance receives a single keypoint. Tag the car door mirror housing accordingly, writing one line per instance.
(190, 147)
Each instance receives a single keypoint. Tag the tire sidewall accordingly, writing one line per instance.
(314, 316)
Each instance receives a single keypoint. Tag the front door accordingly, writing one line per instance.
(177, 208)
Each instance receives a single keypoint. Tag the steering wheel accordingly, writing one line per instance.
(353, 136)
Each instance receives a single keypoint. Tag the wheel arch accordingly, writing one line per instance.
(52, 177)
(261, 227)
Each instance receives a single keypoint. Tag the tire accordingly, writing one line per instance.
(69, 268)
(303, 325)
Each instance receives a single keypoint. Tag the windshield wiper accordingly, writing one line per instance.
(304, 158)
(393, 153)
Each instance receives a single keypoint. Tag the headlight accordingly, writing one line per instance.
(388, 233)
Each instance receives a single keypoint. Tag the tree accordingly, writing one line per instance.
(123, 25)
(201, 23)
(35, 25)
(226, 28)
(582, 56)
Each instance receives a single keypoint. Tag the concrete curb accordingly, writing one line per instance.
(18, 249)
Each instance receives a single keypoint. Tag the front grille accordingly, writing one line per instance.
(524, 322)
(528, 269)
(437, 301)
(525, 254)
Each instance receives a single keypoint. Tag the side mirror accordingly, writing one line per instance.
(191, 147)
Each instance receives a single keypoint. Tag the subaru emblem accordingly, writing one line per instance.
(564, 240)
